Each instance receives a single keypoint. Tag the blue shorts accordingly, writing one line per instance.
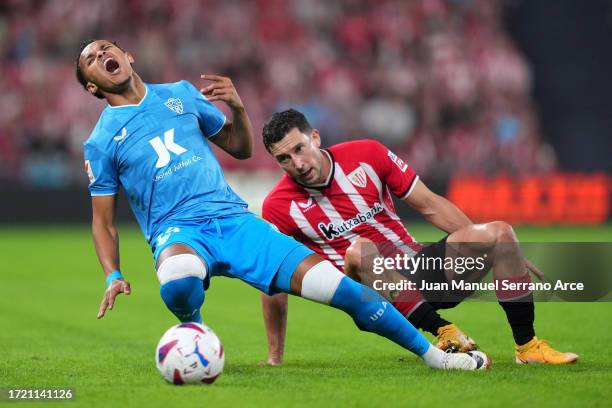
(240, 246)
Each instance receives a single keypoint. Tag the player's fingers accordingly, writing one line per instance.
(221, 91)
(222, 97)
(219, 81)
(111, 299)
(267, 363)
(209, 93)
(103, 307)
(534, 269)
(210, 87)
(127, 289)
(212, 77)
(273, 362)
(538, 273)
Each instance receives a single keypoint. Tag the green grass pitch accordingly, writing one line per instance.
(51, 287)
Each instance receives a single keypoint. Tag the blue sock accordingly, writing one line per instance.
(184, 297)
(372, 313)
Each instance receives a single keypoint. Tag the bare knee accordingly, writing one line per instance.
(490, 233)
(502, 231)
(353, 257)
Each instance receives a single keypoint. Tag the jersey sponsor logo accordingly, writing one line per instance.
(89, 171)
(120, 138)
(175, 105)
(331, 230)
(164, 236)
(398, 162)
(358, 177)
(306, 205)
(164, 148)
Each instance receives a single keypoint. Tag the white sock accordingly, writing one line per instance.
(433, 357)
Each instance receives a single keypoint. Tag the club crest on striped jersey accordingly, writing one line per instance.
(358, 177)
(174, 104)
(398, 162)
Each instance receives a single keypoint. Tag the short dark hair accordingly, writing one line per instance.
(80, 74)
(281, 123)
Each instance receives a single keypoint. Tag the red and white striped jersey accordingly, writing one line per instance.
(355, 202)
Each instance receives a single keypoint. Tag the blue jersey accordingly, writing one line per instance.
(159, 152)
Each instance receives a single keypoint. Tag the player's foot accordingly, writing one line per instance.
(451, 338)
(540, 352)
(463, 361)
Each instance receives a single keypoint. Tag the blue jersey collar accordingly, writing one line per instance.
(133, 104)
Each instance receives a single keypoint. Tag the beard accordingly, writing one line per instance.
(116, 88)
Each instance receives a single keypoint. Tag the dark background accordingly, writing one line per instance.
(568, 44)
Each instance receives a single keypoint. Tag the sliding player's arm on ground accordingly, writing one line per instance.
(274, 309)
(236, 136)
(106, 240)
(436, 209)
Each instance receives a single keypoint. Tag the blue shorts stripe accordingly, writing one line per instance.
(282, 281)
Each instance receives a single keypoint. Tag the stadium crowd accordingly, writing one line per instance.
(439, 81)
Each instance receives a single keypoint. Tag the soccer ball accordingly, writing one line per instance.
(190, 353)
(483, 362)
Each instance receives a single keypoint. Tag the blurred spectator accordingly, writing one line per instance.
(437, 80)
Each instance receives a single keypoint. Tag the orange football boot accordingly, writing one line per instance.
(538, 351)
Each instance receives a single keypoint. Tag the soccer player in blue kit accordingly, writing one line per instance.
(153, 140)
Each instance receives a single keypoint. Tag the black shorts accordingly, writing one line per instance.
(437, 299)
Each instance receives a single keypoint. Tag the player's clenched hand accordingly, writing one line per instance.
(221, 89)
(534, 269)
(108, 300)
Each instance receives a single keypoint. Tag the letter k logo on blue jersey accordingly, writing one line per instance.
(164, 148)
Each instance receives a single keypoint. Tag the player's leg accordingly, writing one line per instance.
(318, 280)
(274, 262)
(359, 265)
(181, 273)
(498, 240)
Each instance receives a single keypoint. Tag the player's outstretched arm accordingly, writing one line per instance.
(106, 240)
(436, 209)
(274, 310)
(445, 215)
(236, 137)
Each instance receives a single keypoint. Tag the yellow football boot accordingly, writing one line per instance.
(450, 338)
(540, 352)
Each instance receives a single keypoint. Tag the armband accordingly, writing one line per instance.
(113, 276)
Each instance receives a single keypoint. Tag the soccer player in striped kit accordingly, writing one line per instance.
(337, 201)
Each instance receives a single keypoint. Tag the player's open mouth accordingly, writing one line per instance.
(111, 65)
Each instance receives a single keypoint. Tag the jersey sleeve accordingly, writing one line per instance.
(393, 171)
(103, 178)
(210, 118)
